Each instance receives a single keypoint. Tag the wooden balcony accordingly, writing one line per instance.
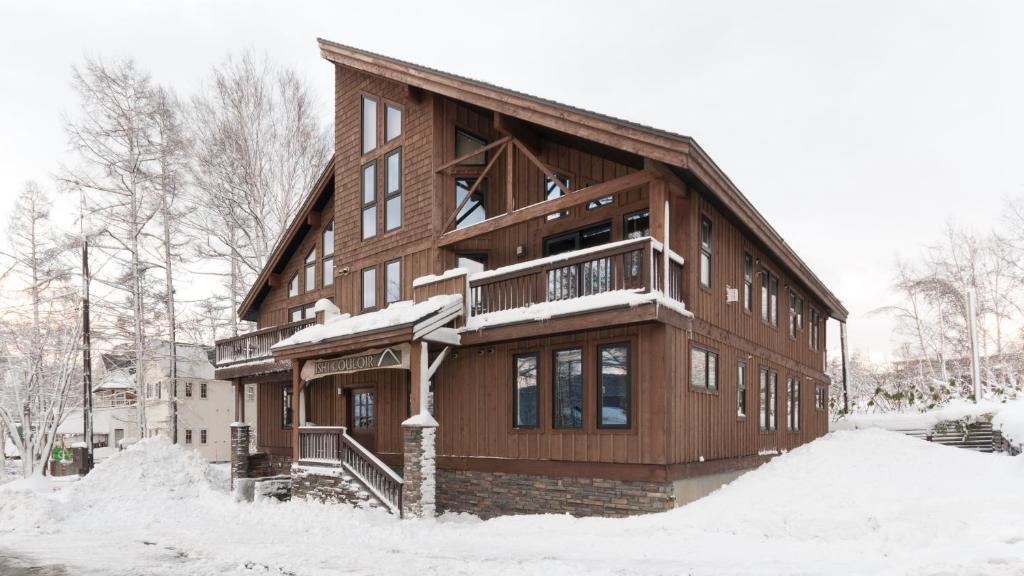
(635, 265)
(331, 446)
(255, 346)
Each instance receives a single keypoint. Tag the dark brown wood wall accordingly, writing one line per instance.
(270, 435)
(473, 402)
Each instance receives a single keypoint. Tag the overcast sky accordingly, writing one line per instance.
(856, 128)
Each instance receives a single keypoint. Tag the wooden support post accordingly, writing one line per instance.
(296, 393)
(424, 382)
(510, 189)
(659, 227)
(415, 390)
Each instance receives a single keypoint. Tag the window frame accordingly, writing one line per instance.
(769, 281)
(364, 98)
(204, 392)
(309, 266)
(705, 251)
(566, 180)
(387, 282)
(768, 381)
(742, 375)
(401, 121)
(327, 276)
(583, 390)
(365, 205)
(813, 328)
(362, 288)
(515, 391)
(287, 407)
(820, 397)
(708, 352)
(204, 437)
(599, 393)
(388, 196)
(482, 190)
(748, 282)
(293, 284)
(483, 143)
(250, 392)
(635, 213)
(188, 436)
(188, 389)
(793, 404)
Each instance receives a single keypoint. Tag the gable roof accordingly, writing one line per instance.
(287, 244)
(670, 148)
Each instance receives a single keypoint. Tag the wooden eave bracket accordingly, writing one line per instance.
(675, 183)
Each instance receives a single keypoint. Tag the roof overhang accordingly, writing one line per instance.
(673, 149)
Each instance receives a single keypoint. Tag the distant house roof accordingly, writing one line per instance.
(287, 244)
(673, 149)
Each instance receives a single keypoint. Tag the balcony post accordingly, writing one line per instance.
(658, 213)
(296, 393)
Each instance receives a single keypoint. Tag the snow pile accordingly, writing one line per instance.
(397, 314)
(957, 409)
(1009, 419)
(446, 275)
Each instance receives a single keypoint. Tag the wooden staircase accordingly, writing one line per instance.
(976, 436)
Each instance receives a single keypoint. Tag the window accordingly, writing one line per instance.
(188, 436)
(793, 405)
(328, 249)
(820, 397)
(568, 389)
(202, 436)
(769, 387)
(813, 324)
(552, 191)
(188, 389)
(475, 209)
(301, 313)
(741, 389)
(472, 262)
(392, 281)
(369, 288)
(748, 282)
(467, 143)
(202, 390)
(369, 124)
(636, 225)
(159, 389)
(613, 386)
(525, 405)
(796, 313)
(705, 252)
(309, 279)
(363, 410)
(286, 406)
(393, 190)
(369, 195)
(293, 285)
(392, 122)
(250, 392)
(703, 368)
(769, 297)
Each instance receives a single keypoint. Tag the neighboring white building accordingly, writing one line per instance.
(205, 405)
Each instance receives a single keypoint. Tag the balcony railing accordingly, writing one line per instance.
(628, 265)
(331, 446)
(256, 345)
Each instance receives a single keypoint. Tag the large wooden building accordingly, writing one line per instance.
(523, 307)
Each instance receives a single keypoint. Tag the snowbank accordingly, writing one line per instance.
(956, 410)
(854, 502)
(1010, 420)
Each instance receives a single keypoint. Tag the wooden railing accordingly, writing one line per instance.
(256, 345)
(330, 445)
(630, 265)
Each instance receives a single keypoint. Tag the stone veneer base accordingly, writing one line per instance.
(490, 494)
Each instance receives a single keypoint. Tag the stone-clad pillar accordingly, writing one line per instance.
(239, 451)
(419, 487)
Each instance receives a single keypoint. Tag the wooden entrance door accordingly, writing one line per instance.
(362, 417)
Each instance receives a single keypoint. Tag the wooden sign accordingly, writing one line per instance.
(377, 358)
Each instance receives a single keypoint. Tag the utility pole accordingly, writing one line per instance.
(842, 343)
(173, 346)
(972, 325)
(86, 360)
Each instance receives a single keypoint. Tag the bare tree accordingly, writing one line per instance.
(258, 149)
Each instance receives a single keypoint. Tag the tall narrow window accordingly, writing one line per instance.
(552, 191)
(820, 397)
(748, 282)
(203, 390)
(293, 285)
(705, 252)
(202, 436)
(568, 389)
(369, 288)
(465, 144)
(475, 209)
(613, 386)
(310, 272)
(703, 368)
(369, 199)
(286, 406)
(769, 384)
(392, 122)
(524, 396)
(741, 389)
(812, 329)
(392, 281)
(793, 405)
(369, 123)
(769, 297)
(188, 436)
(393, 190)
(328, 265)
(188, 389)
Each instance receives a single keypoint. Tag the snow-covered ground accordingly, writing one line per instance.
(853, 502)
(1006, 416)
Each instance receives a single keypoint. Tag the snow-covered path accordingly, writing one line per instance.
(865, 502)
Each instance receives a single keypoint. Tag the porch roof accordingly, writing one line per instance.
(412, 319)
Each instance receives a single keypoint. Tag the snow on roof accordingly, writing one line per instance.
(554, 309)
(192, 360)
(116, 379)
(397, 314)
(431, 278)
